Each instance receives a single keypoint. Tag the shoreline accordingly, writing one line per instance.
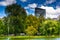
(31, 37)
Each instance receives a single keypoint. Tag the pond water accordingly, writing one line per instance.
(39, 39)
(32, 39)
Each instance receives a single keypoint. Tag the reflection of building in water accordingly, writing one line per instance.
(40, 12)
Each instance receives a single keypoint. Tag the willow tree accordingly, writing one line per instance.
(16, 14)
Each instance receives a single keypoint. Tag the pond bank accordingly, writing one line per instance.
(27, 37)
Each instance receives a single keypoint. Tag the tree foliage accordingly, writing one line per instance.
(16, 17)
(49, 27)
(19, 22)
(31, 30)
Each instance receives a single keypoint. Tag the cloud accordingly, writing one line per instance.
(30, 11)
(50, 1)
(51, 12)
(58, 10)
(58, 5)
(26, 7)
(23, 0)
(31, 8)
(34, 5)
(7, 2)
(1, 16)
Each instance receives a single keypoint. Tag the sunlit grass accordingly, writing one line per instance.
(27, 37)
(31, 37)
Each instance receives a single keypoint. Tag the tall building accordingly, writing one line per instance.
(40, 12)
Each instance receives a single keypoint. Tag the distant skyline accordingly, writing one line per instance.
(52, 6)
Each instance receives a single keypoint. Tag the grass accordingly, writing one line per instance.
(31, 37)
(3, 36)
(27, 37)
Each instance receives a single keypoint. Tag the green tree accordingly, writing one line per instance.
(16, 16)
(58, 27)
(32, 21)
(5, 25)
(15, 10)
(49, 27)
(41, 19)
(31, 31)
(1, 27)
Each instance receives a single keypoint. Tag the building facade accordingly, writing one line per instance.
(40, 12)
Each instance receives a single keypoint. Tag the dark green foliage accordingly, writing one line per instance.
(16, 16)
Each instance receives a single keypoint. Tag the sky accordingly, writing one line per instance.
(52, 6)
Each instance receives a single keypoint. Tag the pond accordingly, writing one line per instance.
(31, 39)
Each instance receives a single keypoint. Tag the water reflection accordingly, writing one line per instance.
(26, 39)
(8, 39)
(37, 39)
(57, 38)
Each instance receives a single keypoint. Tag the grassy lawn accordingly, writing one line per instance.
(27, 37)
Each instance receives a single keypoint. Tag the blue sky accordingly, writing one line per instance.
(52, 6)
